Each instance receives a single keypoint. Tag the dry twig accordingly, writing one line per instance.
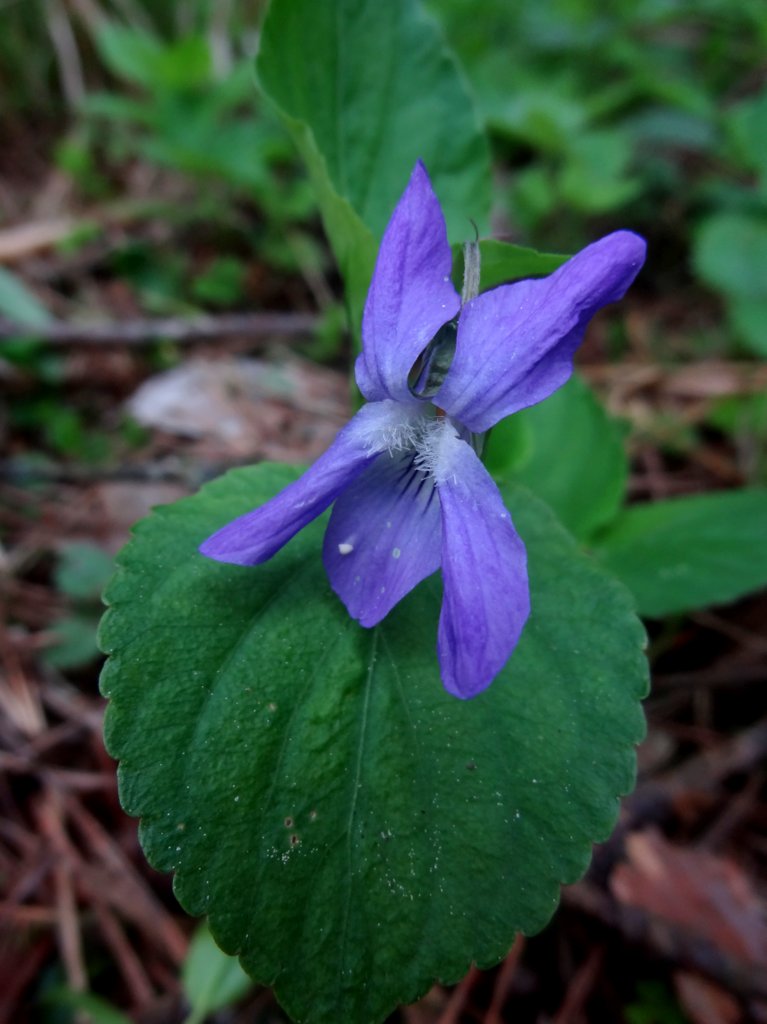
(259, 326)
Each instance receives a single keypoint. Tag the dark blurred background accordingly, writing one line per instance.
(169, 308)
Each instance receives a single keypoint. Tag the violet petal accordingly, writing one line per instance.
(257, 535)
(516, 343)
(383, 537)
(484, 567)
(410, 296)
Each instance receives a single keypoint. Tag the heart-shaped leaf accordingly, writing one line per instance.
(353, 831)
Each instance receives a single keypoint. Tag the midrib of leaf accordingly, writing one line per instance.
(338, 38)
(352, 813)
(381, 118)
(426, 881)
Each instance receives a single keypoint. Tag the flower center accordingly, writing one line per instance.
(434, 447)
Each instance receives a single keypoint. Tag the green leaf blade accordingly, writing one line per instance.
(687, 553)
(586, 490)
(211, 979)
(352, 830)
(502, 261)
(379, 91)
(730, 250)
(19, 305)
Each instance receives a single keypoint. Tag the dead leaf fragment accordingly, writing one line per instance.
(704, 1002)
(707, 895)
(250, 406)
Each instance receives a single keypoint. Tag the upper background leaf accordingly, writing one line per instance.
(375, 89)
(379, 89)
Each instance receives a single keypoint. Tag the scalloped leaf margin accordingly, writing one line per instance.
(353, 832)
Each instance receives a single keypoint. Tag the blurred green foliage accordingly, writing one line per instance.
(47, 48)
(177, 111)
(18, 304)
(654, 1004)
(211, 980)
(651, 113)
(82, 571)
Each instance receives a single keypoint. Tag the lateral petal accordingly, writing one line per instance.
(486, 598)
(383, 537)
(257, 535)
(516, 343)
(410, 296)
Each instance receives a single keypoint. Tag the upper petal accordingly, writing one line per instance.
(486, 598)
(257, 535)
(411, 295)
(516, 343)
(383, 537)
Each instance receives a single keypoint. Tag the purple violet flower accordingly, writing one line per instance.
(411, 494)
